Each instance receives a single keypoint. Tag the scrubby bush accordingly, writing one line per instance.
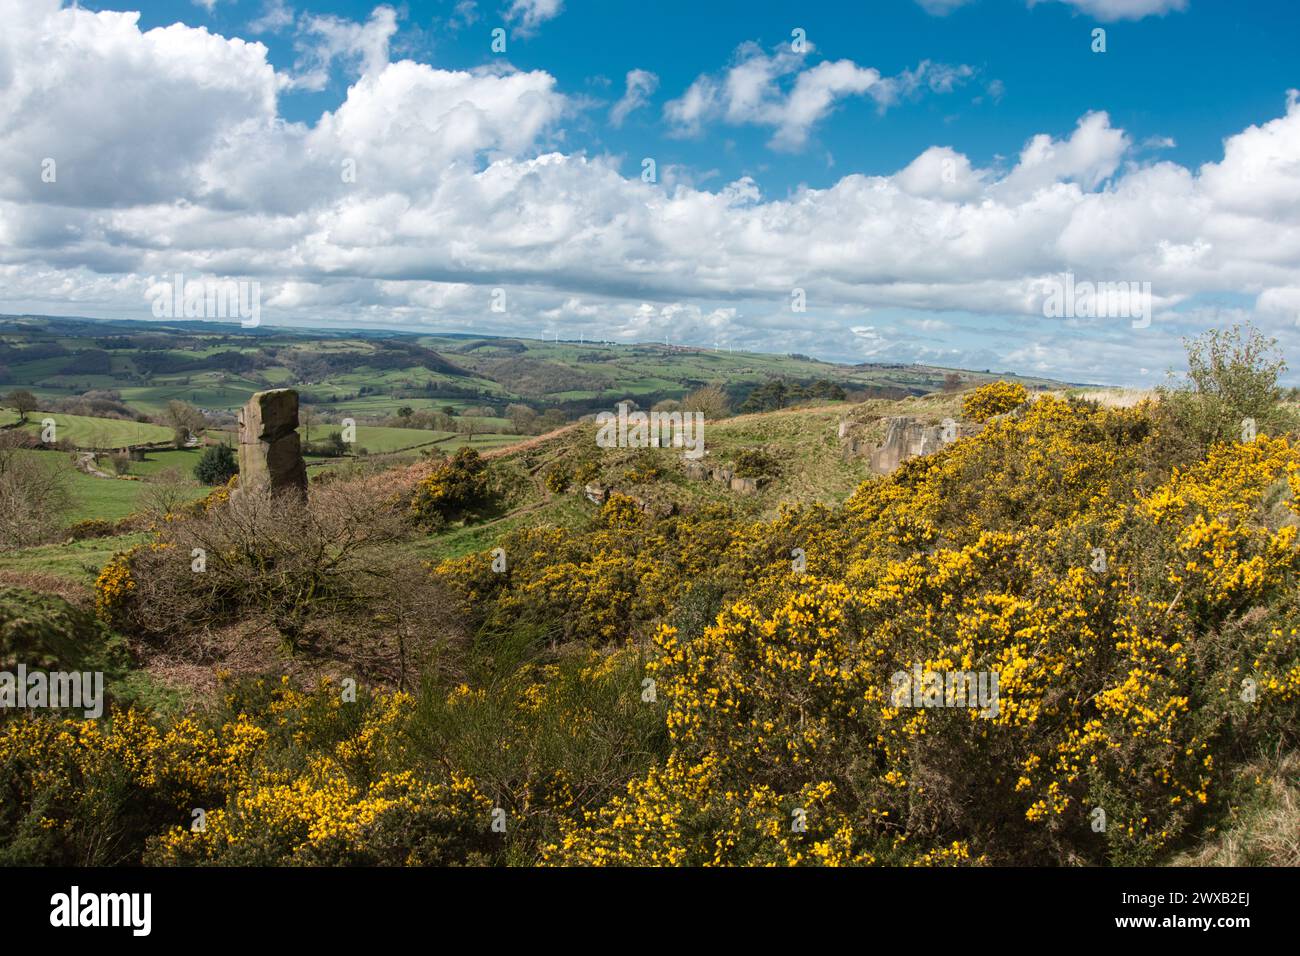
(756, 463)
(709, 401)
(34, 497)
(308, 777)
(644, 467)
(217, 465)
(458, 488)
(1232, 378)
(327, 574)
(558, 479)
(995, 398)
(91, 528)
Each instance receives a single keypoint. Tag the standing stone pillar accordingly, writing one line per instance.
(270, 454)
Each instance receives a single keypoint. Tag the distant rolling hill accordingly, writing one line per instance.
(373, 373)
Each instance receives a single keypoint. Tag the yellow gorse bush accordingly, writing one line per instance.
(275, 787)
(1104, 696)
(995, 398)
(113, 586)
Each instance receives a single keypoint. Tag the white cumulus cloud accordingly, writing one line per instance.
(425, 188)
(641, 85)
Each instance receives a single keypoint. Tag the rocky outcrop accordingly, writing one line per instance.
(905, 438)
(748, 486)
(270, 453)
(701, 471)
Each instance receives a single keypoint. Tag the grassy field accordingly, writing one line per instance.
(182, 460)
(154, 399)
(558, 510)
(86, 432)
(110, 499)
(76, 561)
(378, 440)
(107, 499)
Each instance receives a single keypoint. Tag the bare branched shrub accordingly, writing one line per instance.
(330, 575)
(165, 494)
(710, 400)
(34, 497)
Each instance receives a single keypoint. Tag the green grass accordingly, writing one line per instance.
(482, 441)
(1261, 826)
(379, 440)
(110, 499)
(77, 561)
(560, 510)
(153, 399)
(86, 432)
(107, 499)
(179, 459)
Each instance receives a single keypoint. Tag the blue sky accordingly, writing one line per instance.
(921, 173)
(1194, 76)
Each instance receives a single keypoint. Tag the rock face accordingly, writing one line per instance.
(701, 471)
(270, 454)
(906, 438)
(748, 486)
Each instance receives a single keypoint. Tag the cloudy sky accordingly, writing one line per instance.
(916, 173)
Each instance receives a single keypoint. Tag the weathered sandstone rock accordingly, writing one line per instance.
(270, 453)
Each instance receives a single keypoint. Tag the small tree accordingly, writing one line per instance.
(166, 493)
(217, 466)
(23, 403)
(185, 420)
(522, 418)
(551, 419)
(1232, 377)
(710, 400)
(34, 496)
(335, 445)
